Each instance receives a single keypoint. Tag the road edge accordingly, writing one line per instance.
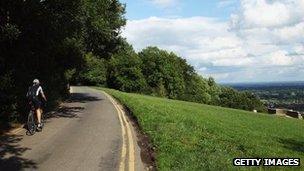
(128, 150)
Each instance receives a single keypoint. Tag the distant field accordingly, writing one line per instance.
(191, 136)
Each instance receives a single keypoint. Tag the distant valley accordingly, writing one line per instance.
(288, 95)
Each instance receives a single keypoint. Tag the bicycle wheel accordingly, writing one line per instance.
(31, 125)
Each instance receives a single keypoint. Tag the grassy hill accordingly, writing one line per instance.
(191, 136)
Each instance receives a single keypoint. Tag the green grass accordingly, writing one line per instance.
(191, 136)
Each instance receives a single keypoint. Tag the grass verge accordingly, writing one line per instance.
(191, 136)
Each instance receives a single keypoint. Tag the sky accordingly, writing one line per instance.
(230, 40)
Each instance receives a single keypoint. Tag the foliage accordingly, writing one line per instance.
(104, 18)
(94, 71)
(168, 75)
(48, 40)
(9, 32)
(124, 71)
(240, 100)
(197, 90)
(163, 72)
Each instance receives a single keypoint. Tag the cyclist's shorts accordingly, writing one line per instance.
(37, 103)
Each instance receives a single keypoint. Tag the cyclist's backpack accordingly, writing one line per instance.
(31, 93)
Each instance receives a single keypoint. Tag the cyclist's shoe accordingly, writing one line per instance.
(39, 128)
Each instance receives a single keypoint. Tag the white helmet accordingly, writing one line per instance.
(36, 81)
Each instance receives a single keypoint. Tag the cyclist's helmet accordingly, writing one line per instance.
(36, 81)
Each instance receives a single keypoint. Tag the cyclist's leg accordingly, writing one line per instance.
(38, 112)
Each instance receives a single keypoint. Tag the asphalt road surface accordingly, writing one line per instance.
(90, 132)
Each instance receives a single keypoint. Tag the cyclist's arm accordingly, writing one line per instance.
(43, 96)
(42, 93)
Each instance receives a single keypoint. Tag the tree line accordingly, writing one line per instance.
(157, 72)
(79, 41)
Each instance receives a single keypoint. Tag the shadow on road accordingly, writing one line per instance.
(82, 98)
(66, 112)
(70, 109)
(11, 154)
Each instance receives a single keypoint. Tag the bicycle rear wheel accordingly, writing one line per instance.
(31, 125)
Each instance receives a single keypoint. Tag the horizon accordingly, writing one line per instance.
(252, 83)
(228, 40)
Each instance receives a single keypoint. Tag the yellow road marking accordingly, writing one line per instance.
(131, 144)
(124, 123)
(124, 145)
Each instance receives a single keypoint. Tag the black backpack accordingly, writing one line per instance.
(31, 93)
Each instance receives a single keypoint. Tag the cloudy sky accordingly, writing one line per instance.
(230, 40)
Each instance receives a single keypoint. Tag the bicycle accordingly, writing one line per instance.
(32, 120)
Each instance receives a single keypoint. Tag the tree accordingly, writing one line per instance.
(124, 71)
(103, 21)
(38, 39)
(163, 72)
(94, 71)
(197, 90)
(240, 100)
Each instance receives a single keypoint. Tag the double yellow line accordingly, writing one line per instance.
(127, 160)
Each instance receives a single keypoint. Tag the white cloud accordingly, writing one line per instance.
(299, 49)
(180, 32)
(270, 22)
(269, 13)
(263, 41)
(278, 58)
(291, 34)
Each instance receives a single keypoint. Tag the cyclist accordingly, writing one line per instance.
(34, 95)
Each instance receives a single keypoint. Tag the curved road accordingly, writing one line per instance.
(88, 133)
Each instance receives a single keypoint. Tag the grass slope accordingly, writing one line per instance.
(191, 136)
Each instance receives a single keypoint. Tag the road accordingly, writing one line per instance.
(89, 132)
